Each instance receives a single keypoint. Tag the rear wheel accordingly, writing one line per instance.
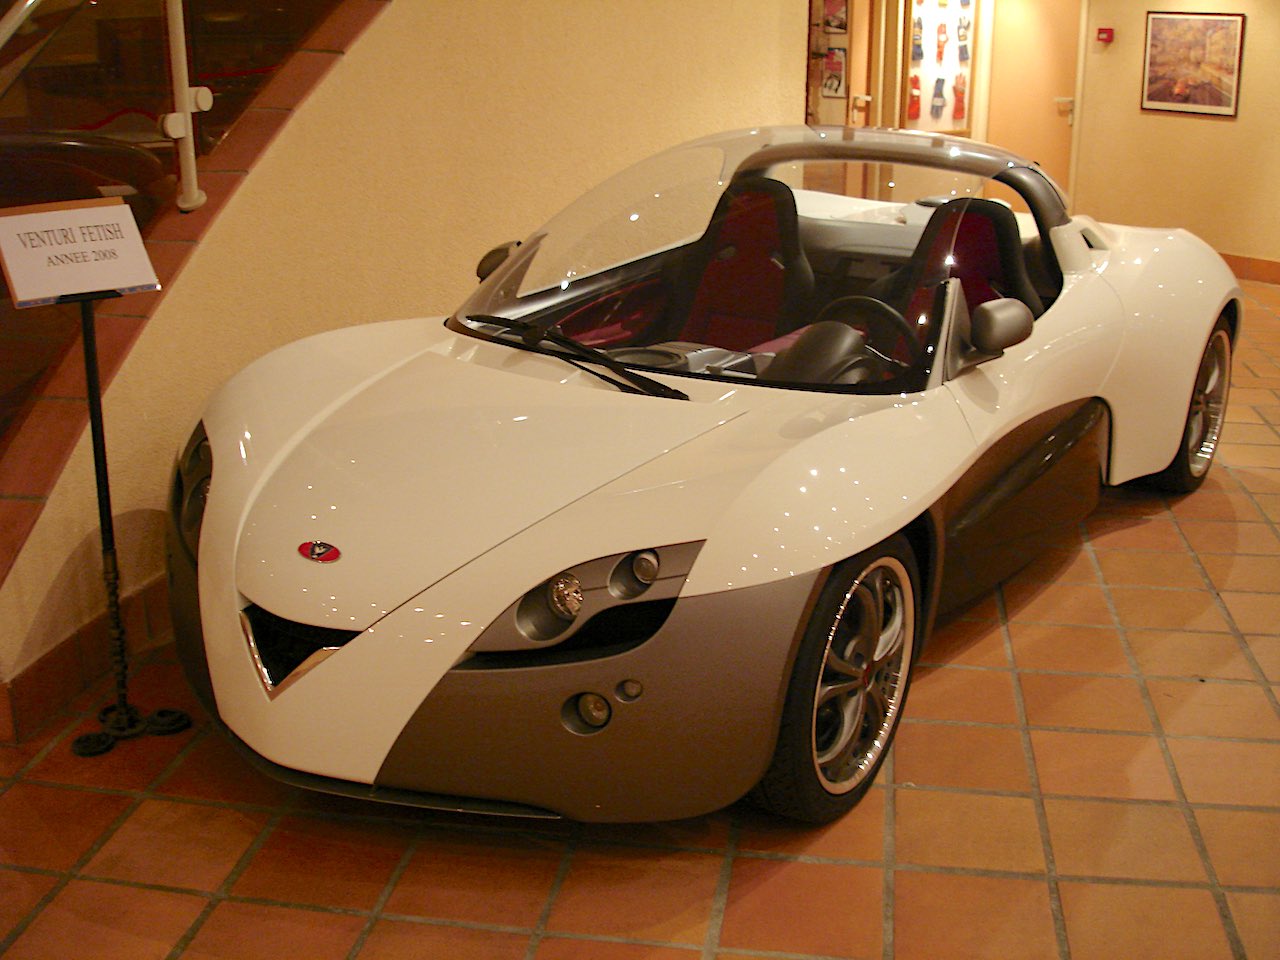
(1206, 414)
(847, 688)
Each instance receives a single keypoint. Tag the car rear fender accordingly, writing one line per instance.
(1173, 288)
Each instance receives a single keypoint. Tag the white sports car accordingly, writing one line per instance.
(662, 516)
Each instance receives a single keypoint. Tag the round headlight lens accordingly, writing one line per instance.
(644, 566)
(564, 596)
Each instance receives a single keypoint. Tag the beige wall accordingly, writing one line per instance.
(1219, 177)
(1033, 58)
(449, 127)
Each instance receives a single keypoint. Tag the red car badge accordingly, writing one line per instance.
(319, 551)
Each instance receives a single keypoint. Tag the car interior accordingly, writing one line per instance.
(795, 296)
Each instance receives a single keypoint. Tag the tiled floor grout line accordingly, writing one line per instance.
(68, 876)
(770, 855)
(1244, 491)
(1087, 674)
(1259, 675)
(420, 920)
(1224, 908)
(71, 874)
(43, 752)
(199, 733)
(196, 926)
(292, 905)
(21, 926)
(740, 952)
(1060, 728)
(142, 795)
(116, 881)
(1103, 880)
(889, 850)
(1033, 779)
(720, 899)
(1153, 717)
(557, 883)
(1019, 795)
(224, 889)
(410, 851)
(147, 794)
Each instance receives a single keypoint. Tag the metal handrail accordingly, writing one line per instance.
(177, 126)
(187, 100)
(15, 17)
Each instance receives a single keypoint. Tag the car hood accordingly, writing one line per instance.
(414, 471)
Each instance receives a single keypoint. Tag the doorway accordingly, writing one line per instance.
(1024, 76)
(840, 58)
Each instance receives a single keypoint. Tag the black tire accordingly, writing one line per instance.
(865, 630)
(1206, 413)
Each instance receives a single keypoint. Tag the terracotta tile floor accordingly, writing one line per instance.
(1090, 768)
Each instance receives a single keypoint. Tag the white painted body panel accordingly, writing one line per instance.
(413, 485)
(1172, 287)
(1066, 359)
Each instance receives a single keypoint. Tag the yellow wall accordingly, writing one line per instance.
(449, 127)
(1218, 177)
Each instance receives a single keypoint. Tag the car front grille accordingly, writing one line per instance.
(283, 645)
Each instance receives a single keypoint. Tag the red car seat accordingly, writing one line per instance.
(746, 279)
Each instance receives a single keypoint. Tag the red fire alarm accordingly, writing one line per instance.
(1106, 34)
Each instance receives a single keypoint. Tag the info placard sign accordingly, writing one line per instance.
(54, 250)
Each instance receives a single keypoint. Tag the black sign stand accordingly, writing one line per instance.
(120, 720)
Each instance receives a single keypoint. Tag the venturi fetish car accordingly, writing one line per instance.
(661, 517)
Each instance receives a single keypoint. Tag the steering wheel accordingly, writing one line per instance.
(883, 325)
(826, 352)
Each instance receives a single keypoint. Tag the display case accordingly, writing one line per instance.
(940, 45)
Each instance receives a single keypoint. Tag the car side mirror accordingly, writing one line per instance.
(495, 258)
(992, 328)
(997, 325)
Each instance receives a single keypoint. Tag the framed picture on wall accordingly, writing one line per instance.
(1192, 63)
(835, 16)
(833, 72)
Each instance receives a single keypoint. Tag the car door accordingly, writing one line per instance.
(1040, 433)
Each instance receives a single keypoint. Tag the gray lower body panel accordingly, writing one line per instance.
(698, 736)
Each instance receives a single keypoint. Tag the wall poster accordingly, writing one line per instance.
(833, 66)
(1192, 63)
(835, 16)
(939, 65)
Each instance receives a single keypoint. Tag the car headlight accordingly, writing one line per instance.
(610, 599)
(635, 573)
(564, 597)
(192, 476)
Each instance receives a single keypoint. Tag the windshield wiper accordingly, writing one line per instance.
(532, 334)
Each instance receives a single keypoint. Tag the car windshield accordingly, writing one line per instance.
(783, 263)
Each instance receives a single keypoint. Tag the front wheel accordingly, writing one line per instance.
(1206, 414)
(848, 686)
